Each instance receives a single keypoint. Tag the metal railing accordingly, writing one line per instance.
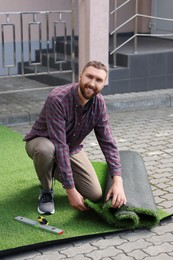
(24, 28)
(136, 34)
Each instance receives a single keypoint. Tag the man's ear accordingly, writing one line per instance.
(80, 75)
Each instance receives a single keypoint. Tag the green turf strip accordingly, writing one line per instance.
(18, 197)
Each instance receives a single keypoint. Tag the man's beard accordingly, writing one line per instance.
(87, 91)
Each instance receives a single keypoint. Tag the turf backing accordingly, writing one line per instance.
(18, 197)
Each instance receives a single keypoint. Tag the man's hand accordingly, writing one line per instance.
(116, 192)
(76, 199)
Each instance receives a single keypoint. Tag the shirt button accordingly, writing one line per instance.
(78, 123)
(74, 135)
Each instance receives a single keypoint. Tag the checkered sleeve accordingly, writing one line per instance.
(57, 133)
(107, 142)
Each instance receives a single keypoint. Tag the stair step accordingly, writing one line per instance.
(60, 57)
(60, 46)
(59, 78)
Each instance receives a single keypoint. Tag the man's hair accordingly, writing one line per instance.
(97, 65)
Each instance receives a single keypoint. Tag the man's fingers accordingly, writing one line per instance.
(84, 208)
(108, 196)
(81, 207)
(118, 201)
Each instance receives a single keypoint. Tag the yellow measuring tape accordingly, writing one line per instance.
(42, 220)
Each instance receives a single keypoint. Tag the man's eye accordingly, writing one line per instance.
(99, 80)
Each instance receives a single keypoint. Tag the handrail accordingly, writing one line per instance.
(135, 33)
(37, 12)
(9, 66)
(121, 25)
(156, 17)
(124, 43)
(139, 34)
(117, 8)
(115, 30)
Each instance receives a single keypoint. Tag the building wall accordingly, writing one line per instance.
(144, 23)
(127, 11)
(33, 5)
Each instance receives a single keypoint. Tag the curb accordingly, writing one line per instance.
(115, 103)
(139, 103)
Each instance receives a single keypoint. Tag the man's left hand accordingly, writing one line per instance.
(116, 193)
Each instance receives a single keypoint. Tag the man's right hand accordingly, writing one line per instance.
(76, 200)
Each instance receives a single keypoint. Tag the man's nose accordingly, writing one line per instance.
(93, 83)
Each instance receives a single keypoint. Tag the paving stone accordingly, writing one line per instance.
(167, 204)
(51, 256)
(155, 153)
(166, 167)
(100, 254)
(156, 250)
(168, 197)
(159, 230)
(77, 257)
(169, 145)
(162, 186)
(107, 258)
(170, 189)
(87, 241)
(158, 192)
(54, 248)
(170, 254)
(169, 151)
(159, 257)
(114, 241)
(138, 254)
(157, 240)
(130, 246)
(158, 200)
(136, 235)
(167, 161)
(122, 257)
(73, 251)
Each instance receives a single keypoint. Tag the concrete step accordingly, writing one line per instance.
(60, 46)
(66, 60)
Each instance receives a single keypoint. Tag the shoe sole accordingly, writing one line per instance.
(45, 213)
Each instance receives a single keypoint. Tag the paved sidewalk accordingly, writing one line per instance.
(149, 132)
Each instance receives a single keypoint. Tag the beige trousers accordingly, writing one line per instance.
(42, 151)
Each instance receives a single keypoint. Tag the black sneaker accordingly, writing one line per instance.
(46, 202)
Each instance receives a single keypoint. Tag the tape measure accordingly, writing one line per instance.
(42, 220)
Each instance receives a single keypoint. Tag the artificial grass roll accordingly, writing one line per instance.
(140, 210)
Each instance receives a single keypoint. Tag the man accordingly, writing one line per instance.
(69, 114)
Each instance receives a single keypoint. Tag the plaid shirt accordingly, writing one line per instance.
(66, 123)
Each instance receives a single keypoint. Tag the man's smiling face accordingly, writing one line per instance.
(91, 82)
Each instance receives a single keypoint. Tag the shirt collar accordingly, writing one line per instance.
(76, 97)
